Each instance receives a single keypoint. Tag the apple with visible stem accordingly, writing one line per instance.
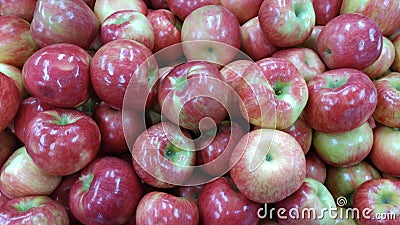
(16, 43)
(191, 92)
(62, 141)
(346, 148)
(385, 154)
(9, 100)
(96, 197)
(136, 73)
(313, 195)
(183, 8)
(387, 111)
(325, 10)
(128, 24)
(243, 10)
(254, 43)
(163, 156)
(396, 62)
(15, 74)
(287, 23)
(74, 17)
(343, 181)
(268, 165)
(189, 192)
(26, 111)
(33, 210)
(385, 14)
(221, 203)
(8, 144)
(315, 167)
(21, 177)
(312, 40)
(211, 33)
(273, 93)
(104, 8)
(302, 132)
(335, 104)
(350, 41)
(383, 63)
(305, 60)
(378, 196)
(58, 75)
(20, 8)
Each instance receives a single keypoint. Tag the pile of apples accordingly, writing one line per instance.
(199, 111)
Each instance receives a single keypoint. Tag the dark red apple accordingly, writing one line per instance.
(3, 199)
(189, 192)
(8, 144)
(325, 10)
(158, 4)
(315, 167)
(9, 100)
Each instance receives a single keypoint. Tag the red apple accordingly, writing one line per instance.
(20, 8)
(158, 4)
(287, 23)
(162, 208)
(387, 176)
(115, 64)
(191, 92)
(189, 192)
(396, 62)
(15, 74)
(8, 144)
(104, 8)
(386, 150)
(107, 192)
(3, 199)
(16, 43)
(340, 100)
(243, 10)
(325, 10)
(58, 75)
(350, 41)
(386, 14)
(9, 100)
(211, 33)
(387, 111)
(182, 8)
(27, 110)
(220, 203)
(268, 165)
(52, 20)
(33, 210)
(378, 200)
(128, 24)
(383, 63)
(273, 93)
(312, 40)
(305, 60)
(62, 141)
(163, 156)
(315, 167)
(302, 132)
(254, 43)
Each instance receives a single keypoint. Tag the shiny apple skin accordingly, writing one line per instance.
(115, 64)
(58, 75)
(335, 110)
(254, 43)
(385, 13)
(350, 41)
(243, 10)
(302, 132)
(8, 144)
(312, 40)
(21, 8)
(261, 106)
(62, 149)
(96, 197)
(177, 210)
(383, 63)
(9, 101)
(27, 110)
(325, 10)
(215, 151)
(16, 43)
(203, 95)
(190, 192)
(343, 181)
(73, 17)
(315, 167)
(128, 24)
(387, 111)
(21, 177)
(182, 8)
(379, 196)
(44, 211)
(386, 150)
(219, 203)
(15, 74)
(104, 8)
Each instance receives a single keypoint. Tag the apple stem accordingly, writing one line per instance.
(26, 204)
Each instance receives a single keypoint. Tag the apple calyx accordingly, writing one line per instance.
(387, 198)
(179, 83)
(25, 204)
(335, 82)
(86, 181)
(175, 155)
(281, 89)
(122, 19)
(395, 84)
